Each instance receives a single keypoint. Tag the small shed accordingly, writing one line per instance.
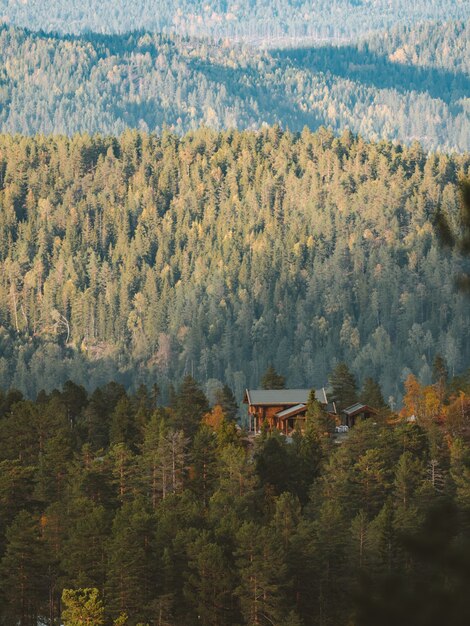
(357, 412)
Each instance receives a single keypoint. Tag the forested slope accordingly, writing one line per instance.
(259, 20)
(174, 519)
(106, 84)
(146, 257)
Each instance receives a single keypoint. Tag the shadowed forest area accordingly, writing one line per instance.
(150, 257)
(116, 509)
(406, 85)
(234, 313)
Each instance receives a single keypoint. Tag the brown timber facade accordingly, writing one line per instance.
(283, 409)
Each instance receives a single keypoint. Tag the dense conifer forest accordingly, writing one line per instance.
(117, 510)
(409, 84)
(202, 197)
(262, 21)
(151, 256)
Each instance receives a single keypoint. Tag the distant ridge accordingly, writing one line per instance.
(260, 21)
(405, 85)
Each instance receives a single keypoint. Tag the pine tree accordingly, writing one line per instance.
(83, 556)
(371, 394)
(82, 607)
(226, 399)
(370, 481)
(124, 471)
(262, 576)
(209, 583)
(409, 475)
(329, 565)
(191, 405)
(273, 463)
(440, 372)
(203, 464)
(123, 428)
(343, 384)
(75, 399)
(460, 472)
(131, 575)
(318, 419)
(152, 460)
(22, 568)
(272, 380)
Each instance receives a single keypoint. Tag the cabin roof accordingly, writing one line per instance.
(357, 408)
(291, 411)
(282, 397)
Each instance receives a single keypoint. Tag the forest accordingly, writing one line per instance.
(260, 21)
(197, 198)
(409, 84)
(115, 509)
(147, 257)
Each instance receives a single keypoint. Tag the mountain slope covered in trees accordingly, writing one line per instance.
(397, 88)
(171, 517)
(147, 257)
(259, 20)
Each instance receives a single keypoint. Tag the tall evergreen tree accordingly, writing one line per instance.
(191, 405)
(226, 399)
(272, 380)
(343, 385)
(371, 394)
(131, 574)
(22, 572)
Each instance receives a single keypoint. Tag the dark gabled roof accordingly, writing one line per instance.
(357, 408)
(292, 411)
(280, 397)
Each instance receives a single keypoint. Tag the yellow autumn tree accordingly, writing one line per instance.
(214, 418)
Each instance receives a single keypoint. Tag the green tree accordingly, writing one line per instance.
(22, 571)
(273, 463)
(123, 427)
(343, 385)
(209, 583)
(262, 576)
(226, 399)
(272, 380)
(203, 464)
(191, 405)
(131, 574)
(371, 394)
(83, 554)
(82, 607)
(459, 240)
(319, 421)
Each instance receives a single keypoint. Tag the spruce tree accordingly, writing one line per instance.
(203, 464)
(226, 399)
(272, 380)
(343, 385)
(262, 571)
(191, 405)
(131, 569)
(209, 583)
(22, 572)
(371, 394)
(83, 555)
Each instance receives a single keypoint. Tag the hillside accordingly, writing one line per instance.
(146, 257)
(261, 21)
(382, 88)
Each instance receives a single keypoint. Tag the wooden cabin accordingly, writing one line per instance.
(357, 412)
(284, 409)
